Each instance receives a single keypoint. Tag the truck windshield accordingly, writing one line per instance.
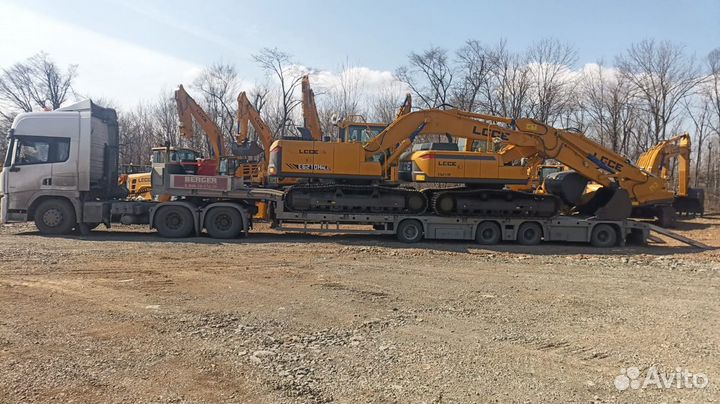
(8, 153)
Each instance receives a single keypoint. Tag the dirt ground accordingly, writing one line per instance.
(123, 315)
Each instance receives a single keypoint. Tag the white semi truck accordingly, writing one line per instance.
(61, 172)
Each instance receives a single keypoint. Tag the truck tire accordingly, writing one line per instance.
(410, 231)
(488, 233)
(174, 222)
(224, 222)
(55, 216)
(529, 233)
(604, 236)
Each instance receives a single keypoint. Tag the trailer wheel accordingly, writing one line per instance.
(55, 216)
(488, 233)
(603, 235)
(529, 233)
(224, 222)
(174, 222)
(410, 231)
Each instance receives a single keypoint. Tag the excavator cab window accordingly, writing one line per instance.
(183, 156)
(362, 133)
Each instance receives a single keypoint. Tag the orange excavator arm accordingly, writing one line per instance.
(247, 115)
(529, 137)
(406, 106)
(187, 110)
(309, 108)
(657, 160)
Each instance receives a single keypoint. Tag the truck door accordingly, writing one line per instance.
(31, 166)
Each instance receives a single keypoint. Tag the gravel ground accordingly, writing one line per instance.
(123, 315)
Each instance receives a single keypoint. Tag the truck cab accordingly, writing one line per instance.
(43, 163)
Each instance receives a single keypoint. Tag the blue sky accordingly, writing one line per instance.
(183, 35)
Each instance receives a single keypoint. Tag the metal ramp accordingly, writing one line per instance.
(682, 239)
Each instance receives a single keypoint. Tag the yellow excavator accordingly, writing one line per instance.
(311, 120)
(354, 177)
(659, 161)
(188, 109)
(353, 128)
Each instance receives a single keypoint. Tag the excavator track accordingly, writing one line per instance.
(464, 201)
(349, 198)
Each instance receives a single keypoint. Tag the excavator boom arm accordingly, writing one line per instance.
(247, 115)
(187, 110)
(530, 138)
(657, 160)
(309, 108)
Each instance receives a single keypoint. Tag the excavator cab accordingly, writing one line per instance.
(356, 129)
(361, 133)
(185, 161)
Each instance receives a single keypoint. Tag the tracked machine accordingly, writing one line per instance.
(352, 177)
(659, 161)
(360, 177)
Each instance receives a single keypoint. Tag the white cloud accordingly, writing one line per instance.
(109, 68)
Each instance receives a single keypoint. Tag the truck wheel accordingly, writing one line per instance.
(224, 222)
(488, 233)
(174, 222)
(410, 231)
(529, 233)
(603, 235)
(55, 216)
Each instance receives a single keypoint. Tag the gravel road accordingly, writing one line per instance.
(123, 315)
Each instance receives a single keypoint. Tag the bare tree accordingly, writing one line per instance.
(386, 103)
(220, 84)
(279, 64)
(711, 88)
(507, 90)
(700, 115)
(138, 135)
(36, 83)
(553, 85)
(662, 76)
(607, 100)
(345, 98)
(474, 63)
(259, 96)
(165, 117)
(429, 76)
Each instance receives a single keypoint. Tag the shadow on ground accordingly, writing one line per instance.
(550, 248)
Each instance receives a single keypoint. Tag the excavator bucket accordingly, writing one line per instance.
(607, 204)
(604, 203)
(692, 204)
(246, 149)
(567, 185)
